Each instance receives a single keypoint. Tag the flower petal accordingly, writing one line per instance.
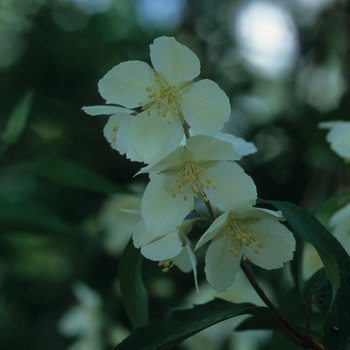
(153, 138)
(221, 266)
(205, 107)
(205, 148)
(234, 187)
(141, 235)
(126, 83)
(278, 244)
(157, 248)
(341, 233)
(160, 210)
(340, 215)
(117, 132)
(107, 110)
(213, 230)
(172, 161)
(328, 125)
(339, 137)
(186, 261)
(241, 146)
(175, 61)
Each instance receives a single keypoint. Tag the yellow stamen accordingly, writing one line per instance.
(191, 181)
(242, 237)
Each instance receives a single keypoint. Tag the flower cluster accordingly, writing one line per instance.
(161, 117)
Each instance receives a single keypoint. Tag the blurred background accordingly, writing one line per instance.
(283, 64)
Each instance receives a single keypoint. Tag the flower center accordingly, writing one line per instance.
(191, 180)
(163, 97)
(242, 237)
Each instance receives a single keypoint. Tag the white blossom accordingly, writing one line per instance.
(339, 137)
(118, 217)
(170, 248)
(204, 167)
(250, 233)
(117, 131)
(168, 99)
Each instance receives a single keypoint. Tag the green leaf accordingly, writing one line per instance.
(68, 172)
(296, 264)
(279, 341)
(336, 330)
(318, 289)
(182, 324)
(297, 319)
(18, 119)
(34, 218)
(254, 323)
(134, 294)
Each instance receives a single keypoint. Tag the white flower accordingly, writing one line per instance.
(340, 224)
(338, 137)
(86, 322)
(86, 317)
(118, 217)
(204, 167)
(170, 248)
(168, 98)
(252, 233)
(117, 131)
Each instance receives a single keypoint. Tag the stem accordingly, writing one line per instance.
(308, 318)
(186, 131)
(307, 340)
(288, 335)
(210, 209)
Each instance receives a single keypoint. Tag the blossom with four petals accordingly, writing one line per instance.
(206, 168)
(249, 233)
(167, 96)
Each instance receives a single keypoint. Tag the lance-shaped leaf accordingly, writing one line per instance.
(71, 173)
(133, 291)
(182, 324)
(336, 330)
(18, 119)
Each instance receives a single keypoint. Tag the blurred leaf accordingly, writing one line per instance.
(182, 324)
(32, 217)
(332, 201)
(336, 330)
(279, 341)
(18, 119)
(318, 289)
(294, 308)
(68, 172)
(134, 294)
